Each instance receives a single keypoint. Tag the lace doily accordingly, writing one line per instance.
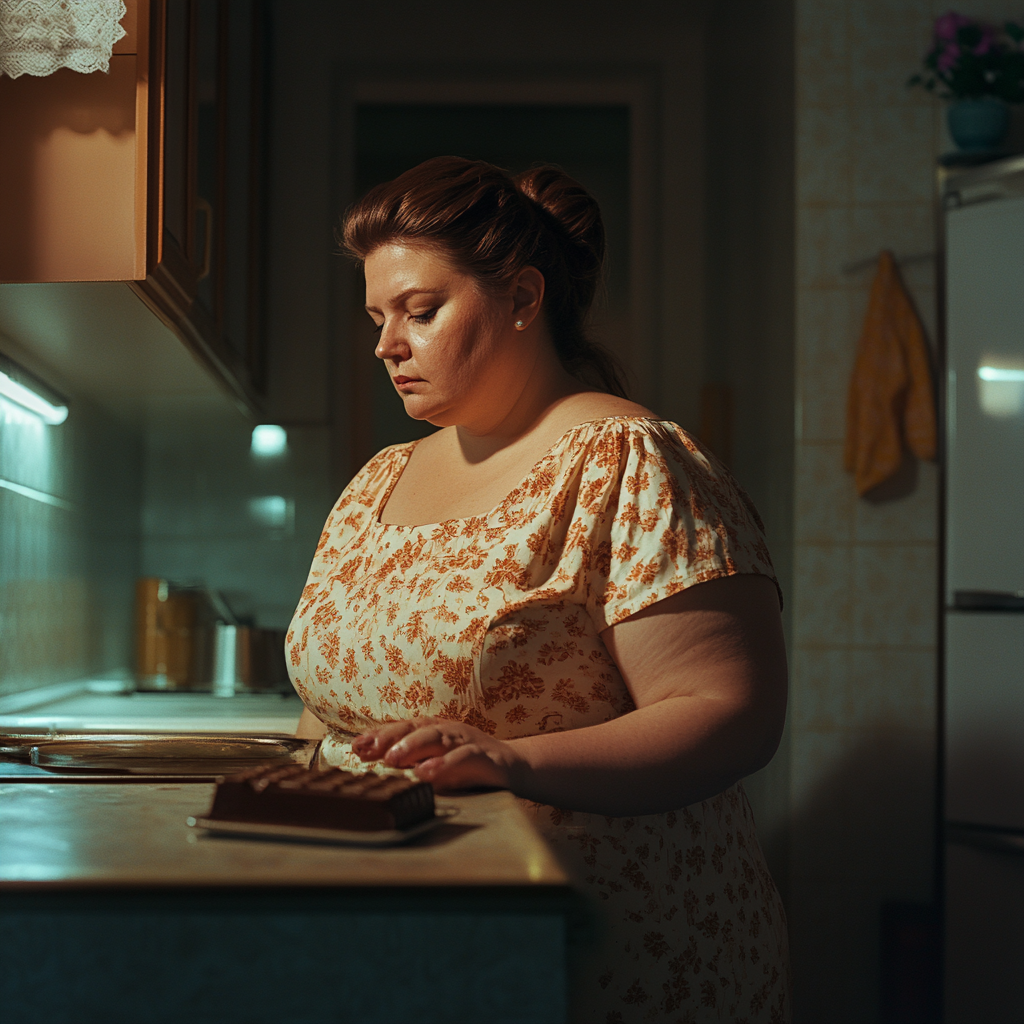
(39, 36)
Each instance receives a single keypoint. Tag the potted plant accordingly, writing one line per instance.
(980, 69)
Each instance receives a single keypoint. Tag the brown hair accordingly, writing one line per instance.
(491, 225)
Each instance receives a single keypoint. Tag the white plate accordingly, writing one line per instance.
(335, 836)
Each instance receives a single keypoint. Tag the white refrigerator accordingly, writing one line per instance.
(983, 617)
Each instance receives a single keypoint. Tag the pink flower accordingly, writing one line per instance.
(948, 58)
(947, 25)
(987, 41)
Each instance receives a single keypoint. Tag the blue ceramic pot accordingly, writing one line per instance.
(978, 124)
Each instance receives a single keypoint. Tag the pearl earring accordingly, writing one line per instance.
(520, 324)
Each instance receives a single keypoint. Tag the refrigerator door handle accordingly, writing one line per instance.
(988, 600)
(985, 838)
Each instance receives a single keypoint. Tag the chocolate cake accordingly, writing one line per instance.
(335, 799)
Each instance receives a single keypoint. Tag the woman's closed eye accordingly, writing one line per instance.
(420, 318)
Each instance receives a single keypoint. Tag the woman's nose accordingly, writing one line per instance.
(391, 344)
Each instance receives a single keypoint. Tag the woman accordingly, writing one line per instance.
(556, 593)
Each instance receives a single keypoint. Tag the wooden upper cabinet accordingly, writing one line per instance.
(151, 175)
(72, 185)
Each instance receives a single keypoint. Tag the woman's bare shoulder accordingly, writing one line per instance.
(596, 405)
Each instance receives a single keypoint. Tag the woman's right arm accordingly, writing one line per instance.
(707, 670)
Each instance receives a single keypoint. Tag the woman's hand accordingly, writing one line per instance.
(450, 755)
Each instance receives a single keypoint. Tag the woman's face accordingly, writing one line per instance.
(452, 350)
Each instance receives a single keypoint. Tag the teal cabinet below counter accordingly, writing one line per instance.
(112, 909)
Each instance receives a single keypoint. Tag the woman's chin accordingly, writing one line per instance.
(432, 412)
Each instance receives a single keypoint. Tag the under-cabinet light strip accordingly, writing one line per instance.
(31, 492)
(27, 398)
(1001, 374)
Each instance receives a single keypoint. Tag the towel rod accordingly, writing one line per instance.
(901, 261)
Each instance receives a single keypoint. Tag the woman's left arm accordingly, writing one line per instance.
(707, 672)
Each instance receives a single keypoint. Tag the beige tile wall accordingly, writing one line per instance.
(864, 659)
(864, 152)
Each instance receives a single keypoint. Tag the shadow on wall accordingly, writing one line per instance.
(65, 117)
(857, 836)
(900, 485)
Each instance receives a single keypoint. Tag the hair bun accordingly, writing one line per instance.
(574, 216)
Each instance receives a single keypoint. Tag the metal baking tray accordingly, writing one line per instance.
(17, 746)
(167, 754)
(332, 836)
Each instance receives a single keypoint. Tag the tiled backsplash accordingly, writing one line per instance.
(214, 513)
(88, 506)
(70, 501)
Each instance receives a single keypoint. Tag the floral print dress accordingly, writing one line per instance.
(495, 620)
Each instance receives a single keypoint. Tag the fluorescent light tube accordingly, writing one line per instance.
(17, 392)
(1000, 374)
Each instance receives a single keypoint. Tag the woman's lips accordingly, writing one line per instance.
(404, 382)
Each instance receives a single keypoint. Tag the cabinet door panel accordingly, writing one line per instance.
(176, 126)
(239, 138)
(209, 126)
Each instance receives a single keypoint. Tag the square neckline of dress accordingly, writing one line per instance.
(411, 445)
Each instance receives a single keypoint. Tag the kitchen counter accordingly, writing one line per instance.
(112, 908)
(87, 711)
(134, 834)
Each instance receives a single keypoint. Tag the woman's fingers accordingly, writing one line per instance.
(433, 740)
(451, 755)
(372, 746)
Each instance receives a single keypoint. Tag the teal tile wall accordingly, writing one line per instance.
(70, 499)
(93, 503)
(202, 517)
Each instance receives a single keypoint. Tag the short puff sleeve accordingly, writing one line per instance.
(665, 515)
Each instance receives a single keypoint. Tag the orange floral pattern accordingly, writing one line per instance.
(495, 620)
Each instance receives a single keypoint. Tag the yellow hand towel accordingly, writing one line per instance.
(891, 401)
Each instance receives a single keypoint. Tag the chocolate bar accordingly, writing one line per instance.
(335, 799)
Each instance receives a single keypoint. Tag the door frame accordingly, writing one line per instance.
(587, 85)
